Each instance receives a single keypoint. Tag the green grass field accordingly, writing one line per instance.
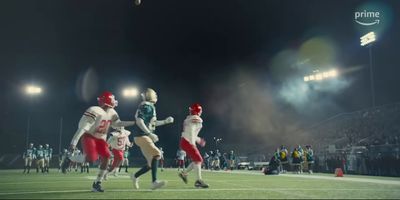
(223, 185)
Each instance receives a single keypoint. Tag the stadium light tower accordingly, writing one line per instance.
(130, 92)
(31, 90)
(367, 40)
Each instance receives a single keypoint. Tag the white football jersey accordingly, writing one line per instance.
(191, 128)
(119, 140)
(102, 121)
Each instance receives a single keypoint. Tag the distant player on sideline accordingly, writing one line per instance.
(310, 158)
(162, 159)
(75, 152)
(125, 162)
(48, 154)
(39, 155)
(180, 156)
(117, 142)
(92, 130)
(28, 157)
(191, 128)
(146, 121)
(232, 159)
(61, 158)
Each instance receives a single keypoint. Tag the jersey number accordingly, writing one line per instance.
(103, 128)
(120, 141)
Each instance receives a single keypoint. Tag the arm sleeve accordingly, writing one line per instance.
(160, 122)
(118, 123)
(85, 124)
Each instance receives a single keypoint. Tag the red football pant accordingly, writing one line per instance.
(94, 147)
(191, 151)
(118, 157)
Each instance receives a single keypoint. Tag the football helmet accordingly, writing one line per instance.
(107, 99)
(195, 109)
(150, 95)
(40, 146)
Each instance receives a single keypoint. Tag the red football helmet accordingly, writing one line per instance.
(107, 99)
(195, 109)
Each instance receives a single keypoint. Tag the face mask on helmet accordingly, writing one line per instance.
(107, 99)
(196, 109)
(150, 95)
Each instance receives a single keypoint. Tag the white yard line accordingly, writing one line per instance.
(309, 176)
(198, 190)
(364, 180)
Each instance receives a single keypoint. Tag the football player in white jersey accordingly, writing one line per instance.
(117, 142)
(191, 128)
(146, 122)
(92, 130)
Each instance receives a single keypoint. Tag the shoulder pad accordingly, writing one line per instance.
(146, 108)
(93, 112)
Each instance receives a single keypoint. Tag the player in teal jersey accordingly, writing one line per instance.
(28, 157)
(145, 137)
(39, 155)
(48, 154)
(125, 161)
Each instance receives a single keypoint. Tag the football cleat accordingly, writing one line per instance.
(183, 177)
(157, 184)
(96, 187)
(200, 184)
(135, 181)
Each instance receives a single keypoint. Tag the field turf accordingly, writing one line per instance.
(223, 185)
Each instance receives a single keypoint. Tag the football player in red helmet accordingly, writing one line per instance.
(191, 128)
(92, 132)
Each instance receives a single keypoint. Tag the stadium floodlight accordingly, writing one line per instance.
(332, 73)
(319, 76)
(368, 38)
(130, 92)
(33, 90)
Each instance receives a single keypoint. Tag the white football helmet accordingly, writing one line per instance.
(149, 95)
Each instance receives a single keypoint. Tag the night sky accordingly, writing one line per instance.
(235, 57)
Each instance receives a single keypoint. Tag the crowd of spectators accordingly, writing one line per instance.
(376, 129)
